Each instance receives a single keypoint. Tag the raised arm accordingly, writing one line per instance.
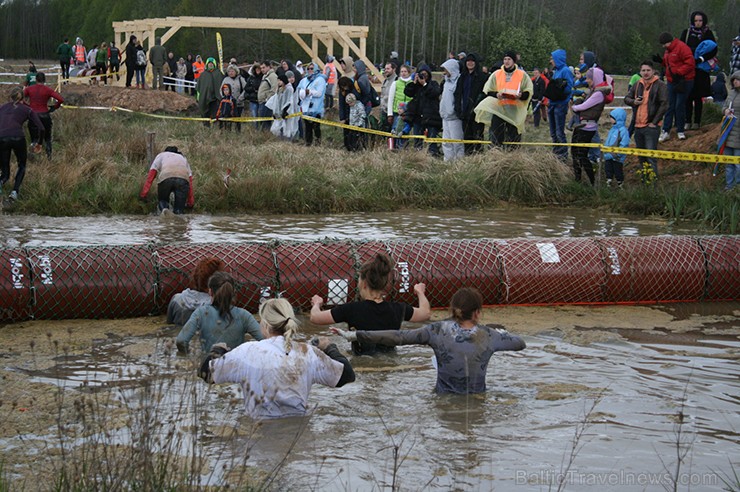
(424, 311)
(318, 316)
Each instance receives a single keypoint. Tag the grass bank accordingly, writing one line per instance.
(100, 164)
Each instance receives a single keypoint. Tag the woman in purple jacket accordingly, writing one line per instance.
(13, 139)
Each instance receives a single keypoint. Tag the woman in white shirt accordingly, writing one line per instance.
(276, 374)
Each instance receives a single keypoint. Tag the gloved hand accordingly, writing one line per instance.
(350, 336)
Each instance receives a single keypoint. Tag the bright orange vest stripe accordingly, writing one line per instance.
(513, 85)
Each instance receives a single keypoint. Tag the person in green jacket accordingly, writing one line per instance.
(64, 51)
(209, 90)
(157, 57)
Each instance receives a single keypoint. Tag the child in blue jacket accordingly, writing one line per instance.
(619, 136)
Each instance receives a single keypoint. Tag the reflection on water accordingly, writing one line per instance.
(457, 224)
(517, 434)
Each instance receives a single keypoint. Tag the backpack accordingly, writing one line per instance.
(140, 58)
(374, 97)
(555, 90)
(608, 81)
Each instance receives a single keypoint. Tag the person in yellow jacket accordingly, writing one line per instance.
(509, 90)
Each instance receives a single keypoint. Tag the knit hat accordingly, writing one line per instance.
(665, 37)
(394, 54)
(510, 53)
(329, 58)
(283, 78)
(289, 74)
(350, 98)
(461, 55)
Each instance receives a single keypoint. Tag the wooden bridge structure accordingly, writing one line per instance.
(309, 34)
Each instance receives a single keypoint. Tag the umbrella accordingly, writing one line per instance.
(727, 123)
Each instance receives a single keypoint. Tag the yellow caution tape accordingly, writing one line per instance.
(658, 154)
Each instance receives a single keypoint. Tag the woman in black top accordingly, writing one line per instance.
(373, 312)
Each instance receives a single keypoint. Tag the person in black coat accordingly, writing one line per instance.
(426, 92)
(697, 32)
(130, 60)
(468, 93)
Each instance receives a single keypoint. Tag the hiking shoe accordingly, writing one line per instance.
(13, 195)
(663, 137)
(681, 136)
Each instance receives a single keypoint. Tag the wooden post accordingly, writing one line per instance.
(150, 138)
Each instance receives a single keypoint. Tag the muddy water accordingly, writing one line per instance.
(498, 223)
(627, 372)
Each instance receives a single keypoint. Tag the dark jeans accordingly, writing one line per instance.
(264, 112)
(556, 114)
(180, 187)
(311, 129)
(130, 69)
(16, 145)
(614, 169)
(580, 154)
(502, 131)
(34, 132)
(65, 68)
(114, 67)
(101, 69)
(694, 107)
(473, 131)
(647, 138)
(677, 107)
(355, 141)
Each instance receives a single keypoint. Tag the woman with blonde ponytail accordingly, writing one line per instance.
(219, 322)
(277, 373)
(462, 346)
(373, 312)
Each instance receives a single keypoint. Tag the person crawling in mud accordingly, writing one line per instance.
(277, 373)
(373, 311)
(462, 347)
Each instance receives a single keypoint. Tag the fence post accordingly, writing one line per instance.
(150, 138)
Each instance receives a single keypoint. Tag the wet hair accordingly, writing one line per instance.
(41, 77)
(203, 271)
(464, 303)
(278, 316)
(377, 272)
(222, 288)
(16, 94)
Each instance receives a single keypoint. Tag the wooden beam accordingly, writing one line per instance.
(300, 42)
(166, 36)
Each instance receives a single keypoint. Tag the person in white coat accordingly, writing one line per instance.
(452, 125)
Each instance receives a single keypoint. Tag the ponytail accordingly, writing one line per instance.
(279, 317)
(464, 303)
(222, 287)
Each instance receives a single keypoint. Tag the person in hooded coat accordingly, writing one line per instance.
(311, 100)
(508, 92)
(285, 104)
(557, 110)
(732, 144)
(468, 93)
(362, 81)
(209, 90)
(452, 126)
(130, 61)
(589, 112)
(619, 136)
(697, 33)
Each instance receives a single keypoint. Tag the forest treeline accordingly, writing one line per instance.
(620, 32)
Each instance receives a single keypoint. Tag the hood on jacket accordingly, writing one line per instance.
(559, 56)
(478, 61)
(452, 66)
(619, 116)
(425, 68)
(596, 74)
(360, 67)
(589, 59)
(704, 47)
(222, 90)
(348, 62)
(211, 60)
(735, 76)
(705, 19)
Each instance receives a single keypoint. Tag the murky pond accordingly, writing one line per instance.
(408, 224)
(626, 387)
